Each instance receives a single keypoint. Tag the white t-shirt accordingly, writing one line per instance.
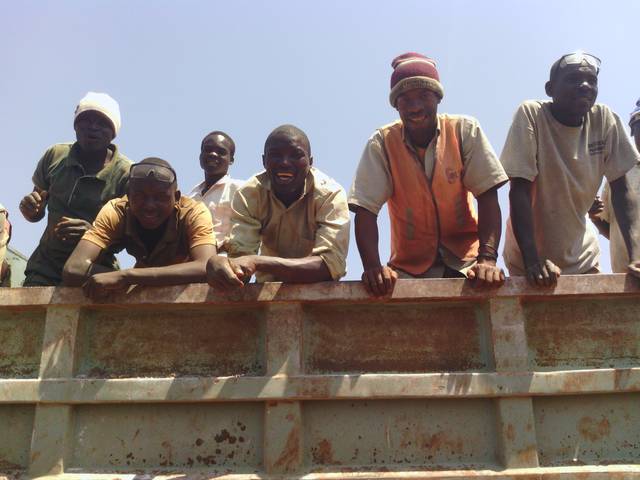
(218, 200)
(617, 247)
(566, 166)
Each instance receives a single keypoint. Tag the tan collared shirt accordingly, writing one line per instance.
(373, 185)
(218, 200)
(115, 229)
(317, 224)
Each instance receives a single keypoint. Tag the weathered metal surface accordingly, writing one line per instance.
(21, 333)
(395, 338)
(171, 341)
(438, 380)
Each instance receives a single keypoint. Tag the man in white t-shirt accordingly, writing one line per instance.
(217, 189)
(602, 215)
(556, 155)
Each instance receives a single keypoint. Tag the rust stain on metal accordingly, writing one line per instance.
(391, 338)
(220, 343)
(439, 441)
(583, 333)
(323, 453)
(288, 459)
(510, 433)
(594, 430)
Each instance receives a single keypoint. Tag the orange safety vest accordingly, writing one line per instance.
(427, 213)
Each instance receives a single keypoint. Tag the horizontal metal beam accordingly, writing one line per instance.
(327, 292)
(319, 387)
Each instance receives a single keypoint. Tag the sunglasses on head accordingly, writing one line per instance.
(160, 173)
(577, 58)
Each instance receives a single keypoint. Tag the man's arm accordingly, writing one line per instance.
(486, 272)
(625, 207)
(541, 273)
(81, 264)
(377, 279)
(101, 284)
(595, 215)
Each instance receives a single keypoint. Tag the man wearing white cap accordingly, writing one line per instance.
(73, 181)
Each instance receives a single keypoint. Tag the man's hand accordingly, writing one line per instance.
(634, 268)
(101, 285)
(596, 209)
(543, 274)
(379, 280)
(32, 206)
(248, 264)
(485, 273)
(71, 230)
(225, 274)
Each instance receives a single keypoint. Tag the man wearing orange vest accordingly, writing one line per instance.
(428, 168)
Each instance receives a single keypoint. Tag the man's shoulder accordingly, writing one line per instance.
(323, 183)
(123, 161)
(57, 152)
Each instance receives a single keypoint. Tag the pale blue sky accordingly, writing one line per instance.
(181, 69)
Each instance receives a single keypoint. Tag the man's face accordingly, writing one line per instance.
(94, 131)
(151, 201)
(574, 90)
(215, 155)
(418, 108)
(287, 162)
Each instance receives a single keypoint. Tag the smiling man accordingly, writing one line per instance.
(73, 181)
(294, 215)
(217, 151)
(427, 167)
(170, 236)
(556, 155)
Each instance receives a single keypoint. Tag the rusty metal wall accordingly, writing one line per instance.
(436, 381)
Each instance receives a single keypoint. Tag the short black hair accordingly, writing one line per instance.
(225, 135)
(289, 131)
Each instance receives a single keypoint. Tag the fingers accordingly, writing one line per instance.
(634, 269)
(379, 281)
(33, 203)
(389, 277)
(486, 275)
(224, 275)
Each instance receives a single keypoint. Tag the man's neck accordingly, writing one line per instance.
(93, 162)
(211, 181)
(290, 198)
(565, 118)
(421, 137)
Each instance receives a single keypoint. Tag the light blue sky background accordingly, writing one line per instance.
(181, 69)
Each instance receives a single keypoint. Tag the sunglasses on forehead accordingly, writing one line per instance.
(160, 173)
(577, 58)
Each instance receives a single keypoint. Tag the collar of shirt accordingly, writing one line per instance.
(407, 140)
(73, 160)
(169, 236)
(197, 190)
(309, 184)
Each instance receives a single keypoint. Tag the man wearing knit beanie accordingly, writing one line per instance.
(72, 182)
(427, 167)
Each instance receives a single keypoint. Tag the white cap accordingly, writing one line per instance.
(103, 103)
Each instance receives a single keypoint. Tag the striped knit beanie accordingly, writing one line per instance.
(413, 70)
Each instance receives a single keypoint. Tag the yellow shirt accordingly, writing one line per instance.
(190, 225)
(317, 224)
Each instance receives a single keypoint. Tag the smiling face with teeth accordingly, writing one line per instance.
(418, 109)
(287, 160)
